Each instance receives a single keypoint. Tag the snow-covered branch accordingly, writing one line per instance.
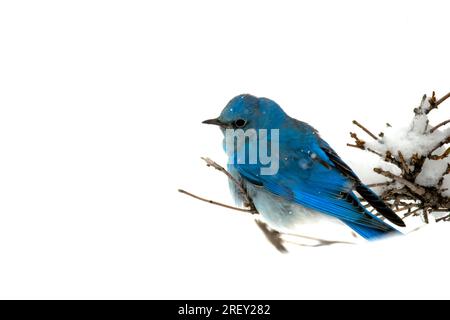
(419, 181)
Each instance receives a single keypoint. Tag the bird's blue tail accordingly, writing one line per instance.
(379, 204)
(378, 230)
(371, 233)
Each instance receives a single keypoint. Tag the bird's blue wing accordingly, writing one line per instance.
(310, 178)
(361, 188)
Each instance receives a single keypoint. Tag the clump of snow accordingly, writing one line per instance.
(387, 166)
(419, 124)
(432, 171)
(424, 106)
(412, 140)
(409, 140)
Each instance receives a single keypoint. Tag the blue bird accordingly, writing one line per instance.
(306, 179)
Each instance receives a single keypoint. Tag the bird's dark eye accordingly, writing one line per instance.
(239, 123)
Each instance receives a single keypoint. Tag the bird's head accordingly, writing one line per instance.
(249, 112)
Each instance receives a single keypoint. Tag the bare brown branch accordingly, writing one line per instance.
(217, 203)
(443, 123)
(413, 187)
(442, 99)
(273, 236)
(438, 145)
(365, 129)
(403, 162)
(442, 156)
(247, 201)
(434, 103)
(413, 212)
(359, 142)
(375, 152)
(444, 218)
(380, 184)
(355, 146)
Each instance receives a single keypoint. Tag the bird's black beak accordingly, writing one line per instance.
(215, 121)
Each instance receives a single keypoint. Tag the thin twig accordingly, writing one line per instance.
(273, 236)
(438, 145)
(211, 163)
(403, 162)
(442, 99)
(443, 123)
(389, 158)
(217, 203)
(324, 241)
(355, 146)
(431, 101)
(247, 201)
(380, 184)
(359, 142)
(444, 218)
(362, 147)
(434, 103)
(373, 151)
(413, 187)
(425, 215)
(411, 212)
(365, 129)
(442, 156)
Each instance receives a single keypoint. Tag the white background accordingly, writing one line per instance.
(100, 111)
